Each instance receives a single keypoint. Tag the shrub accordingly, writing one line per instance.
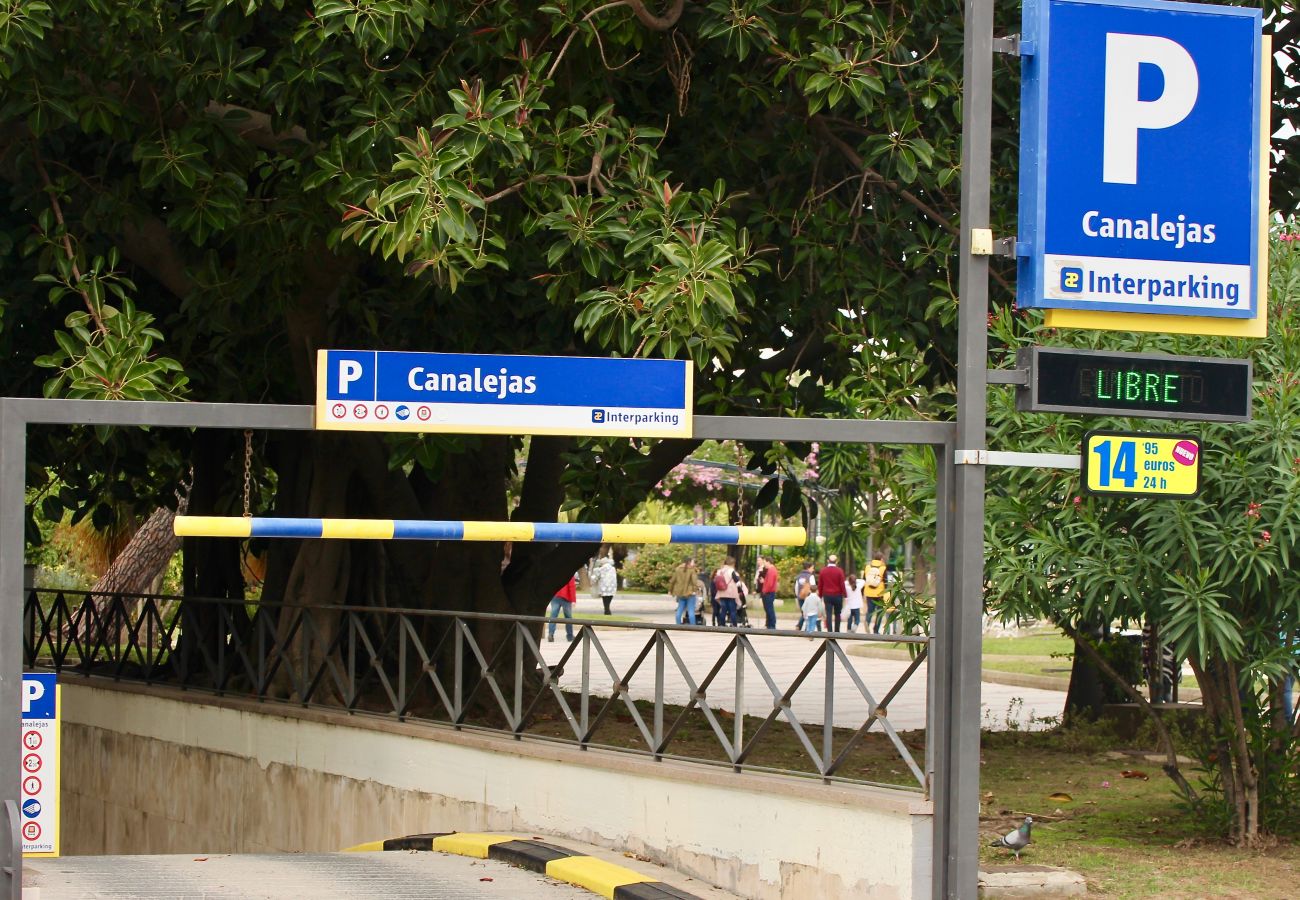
(654, 563)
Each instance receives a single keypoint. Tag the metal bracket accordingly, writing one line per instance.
(1007, 376)
(1012, 458)
(1009, 247)
(1012, 45)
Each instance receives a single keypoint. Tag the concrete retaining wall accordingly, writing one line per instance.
(165, 771)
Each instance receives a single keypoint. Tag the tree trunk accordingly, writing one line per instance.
(1085, 697)
(133, 571)
(144, 558)
(211, 566)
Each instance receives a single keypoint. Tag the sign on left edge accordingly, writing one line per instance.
(457, 393)
(39, 808)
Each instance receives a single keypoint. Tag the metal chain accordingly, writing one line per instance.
(248, 467)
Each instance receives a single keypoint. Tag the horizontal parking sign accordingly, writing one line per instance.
(369, 390)
(1140, 157)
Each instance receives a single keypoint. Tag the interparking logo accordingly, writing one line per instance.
(1071, 280)
(598, 416)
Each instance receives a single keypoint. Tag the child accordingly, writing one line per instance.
(812, 610)
(853, 598)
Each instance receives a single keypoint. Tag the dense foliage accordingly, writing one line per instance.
(200, 194)
(1215, 574)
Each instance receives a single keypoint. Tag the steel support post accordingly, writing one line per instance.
(13, 453)
(956, 821)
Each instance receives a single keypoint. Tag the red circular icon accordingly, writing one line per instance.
(381, 412)
(31, 830)
(339, 410)
(31, 785)
(359, 411)
(423, 413)
(32, 762)
(32, 740)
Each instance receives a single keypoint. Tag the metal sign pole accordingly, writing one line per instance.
(957, 770)
(13, 452)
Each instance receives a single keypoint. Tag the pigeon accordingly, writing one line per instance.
(1016, 840)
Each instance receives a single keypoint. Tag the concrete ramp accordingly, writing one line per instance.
(287, 876)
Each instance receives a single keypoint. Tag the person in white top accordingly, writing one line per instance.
(812, 611)
(853, 599)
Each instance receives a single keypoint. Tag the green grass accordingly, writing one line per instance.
(1129, 837)
(1050, 666)
(1046, 644)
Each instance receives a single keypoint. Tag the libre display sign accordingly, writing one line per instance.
(1149, 385)
(38, 811)
(368, 390)
(1141, 158)
(1141, 465)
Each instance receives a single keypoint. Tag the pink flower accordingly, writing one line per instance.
(1105, 784)
(1265, 537)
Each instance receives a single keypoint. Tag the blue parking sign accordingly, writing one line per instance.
(1140, 181)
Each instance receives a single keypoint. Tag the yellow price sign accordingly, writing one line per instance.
(1141, 465)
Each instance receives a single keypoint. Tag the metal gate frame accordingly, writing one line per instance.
(954, 706)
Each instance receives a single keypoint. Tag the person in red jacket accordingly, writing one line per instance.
(830, 582)
(562, 602)
(767, 579)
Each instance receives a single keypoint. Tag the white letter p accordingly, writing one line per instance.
(32, 691)
(349, 371)
(1126, 114)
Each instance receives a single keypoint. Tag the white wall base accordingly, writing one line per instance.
(162, 771)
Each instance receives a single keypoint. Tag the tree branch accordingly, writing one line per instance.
(852, 155)
(147, 242)
(650, 20)
(591, 179)
(647, 18)
(67, 241)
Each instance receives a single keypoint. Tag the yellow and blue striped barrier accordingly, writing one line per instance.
(432, 530)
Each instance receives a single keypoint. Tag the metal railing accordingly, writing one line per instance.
(486, 671)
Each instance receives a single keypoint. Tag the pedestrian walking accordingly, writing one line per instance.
(727, 581)
(604, 580)
(803, 582)
(853, 601)
(873, 589)
(768, 577)
(562, 603)
(682, 585)
(830, 584)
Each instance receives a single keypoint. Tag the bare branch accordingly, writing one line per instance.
(650, 20)
(647, 18)
(591, 180)
(67, 240)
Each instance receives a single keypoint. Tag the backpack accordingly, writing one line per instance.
(719, 581)
(875, 577)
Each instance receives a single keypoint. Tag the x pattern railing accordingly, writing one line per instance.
(472, 669)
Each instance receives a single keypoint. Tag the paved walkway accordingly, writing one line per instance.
(784, 656)
(395, 875)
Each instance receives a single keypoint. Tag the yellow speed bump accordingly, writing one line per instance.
(467, 843)
(594, 874)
